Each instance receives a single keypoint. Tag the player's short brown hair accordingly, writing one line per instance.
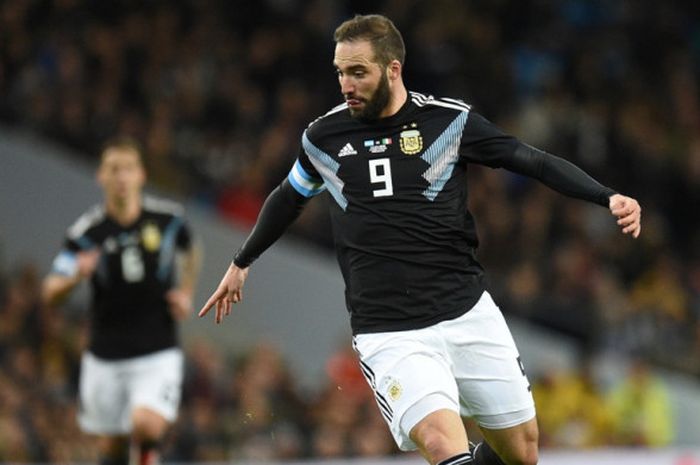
(122, 143)
(380, 31)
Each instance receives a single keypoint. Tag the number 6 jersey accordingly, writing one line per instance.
(136, 268)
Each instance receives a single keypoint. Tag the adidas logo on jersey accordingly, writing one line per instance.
(348, 149)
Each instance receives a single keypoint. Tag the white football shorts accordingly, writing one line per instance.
(469, 365)
(111, 389)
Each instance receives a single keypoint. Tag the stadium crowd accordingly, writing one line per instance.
(250, 407)
(219, 92)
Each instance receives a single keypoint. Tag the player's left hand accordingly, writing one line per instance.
(628, 213)
(180, 302)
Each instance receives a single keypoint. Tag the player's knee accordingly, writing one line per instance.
(530, 449)
(529, 458)
(147, 425)
(437, 446)
(526, 454)
(435, 441)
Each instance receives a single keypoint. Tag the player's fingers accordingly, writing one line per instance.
(622, 210)
(617, 205)
(220, 310)
(627, 220)
(205, 309)
(637, 231)
(631, 222)
(210, 303)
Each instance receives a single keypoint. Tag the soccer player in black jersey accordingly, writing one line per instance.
(139, 256)
(431, 342)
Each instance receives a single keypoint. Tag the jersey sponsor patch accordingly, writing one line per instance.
(379, 145)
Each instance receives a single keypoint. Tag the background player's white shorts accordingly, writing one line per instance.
(110, 389)
(469, 365)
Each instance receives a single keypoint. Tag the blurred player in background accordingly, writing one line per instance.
(142, 264)
(432, 343)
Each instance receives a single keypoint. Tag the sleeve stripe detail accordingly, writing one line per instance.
(442, 155)
(166, 259)
(328, 168)
(422, 100)
(303, 182)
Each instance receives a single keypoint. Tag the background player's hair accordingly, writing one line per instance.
(385, 38)
(122, 143)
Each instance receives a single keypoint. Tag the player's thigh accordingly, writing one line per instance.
(103, 402)
(493, 387)
(517, 444)
(410, 377)
(155, 383)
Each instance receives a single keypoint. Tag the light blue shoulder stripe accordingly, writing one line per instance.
(85, 243)
(303, 182)
(166, 259)
(328, 169)
(442, 156)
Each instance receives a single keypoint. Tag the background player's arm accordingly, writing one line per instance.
(68, 271)
(180, 298)
(279, 211)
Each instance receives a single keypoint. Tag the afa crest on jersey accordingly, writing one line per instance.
(411, 141)
(150, 237)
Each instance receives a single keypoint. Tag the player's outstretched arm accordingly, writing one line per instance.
(229, 292)
(628, 213)
(67, 274)
(280, 209)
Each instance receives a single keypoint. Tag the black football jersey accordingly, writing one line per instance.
(404, 237)
(130, 315)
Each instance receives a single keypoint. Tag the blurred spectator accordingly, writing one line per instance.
(571, 410)
(641, 409)
(268, 413)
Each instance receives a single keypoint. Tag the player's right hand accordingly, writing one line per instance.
(230, 291)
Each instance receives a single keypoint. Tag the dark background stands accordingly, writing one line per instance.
(219, 93)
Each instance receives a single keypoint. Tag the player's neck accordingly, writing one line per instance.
(399, 94)
(124, 211)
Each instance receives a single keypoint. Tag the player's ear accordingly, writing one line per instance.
(393, 71)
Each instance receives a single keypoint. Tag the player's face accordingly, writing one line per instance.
(121, 174)
(363, 82)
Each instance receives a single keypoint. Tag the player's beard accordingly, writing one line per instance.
(376, 103)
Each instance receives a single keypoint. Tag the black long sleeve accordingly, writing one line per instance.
(557, 173)
(281, 208)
